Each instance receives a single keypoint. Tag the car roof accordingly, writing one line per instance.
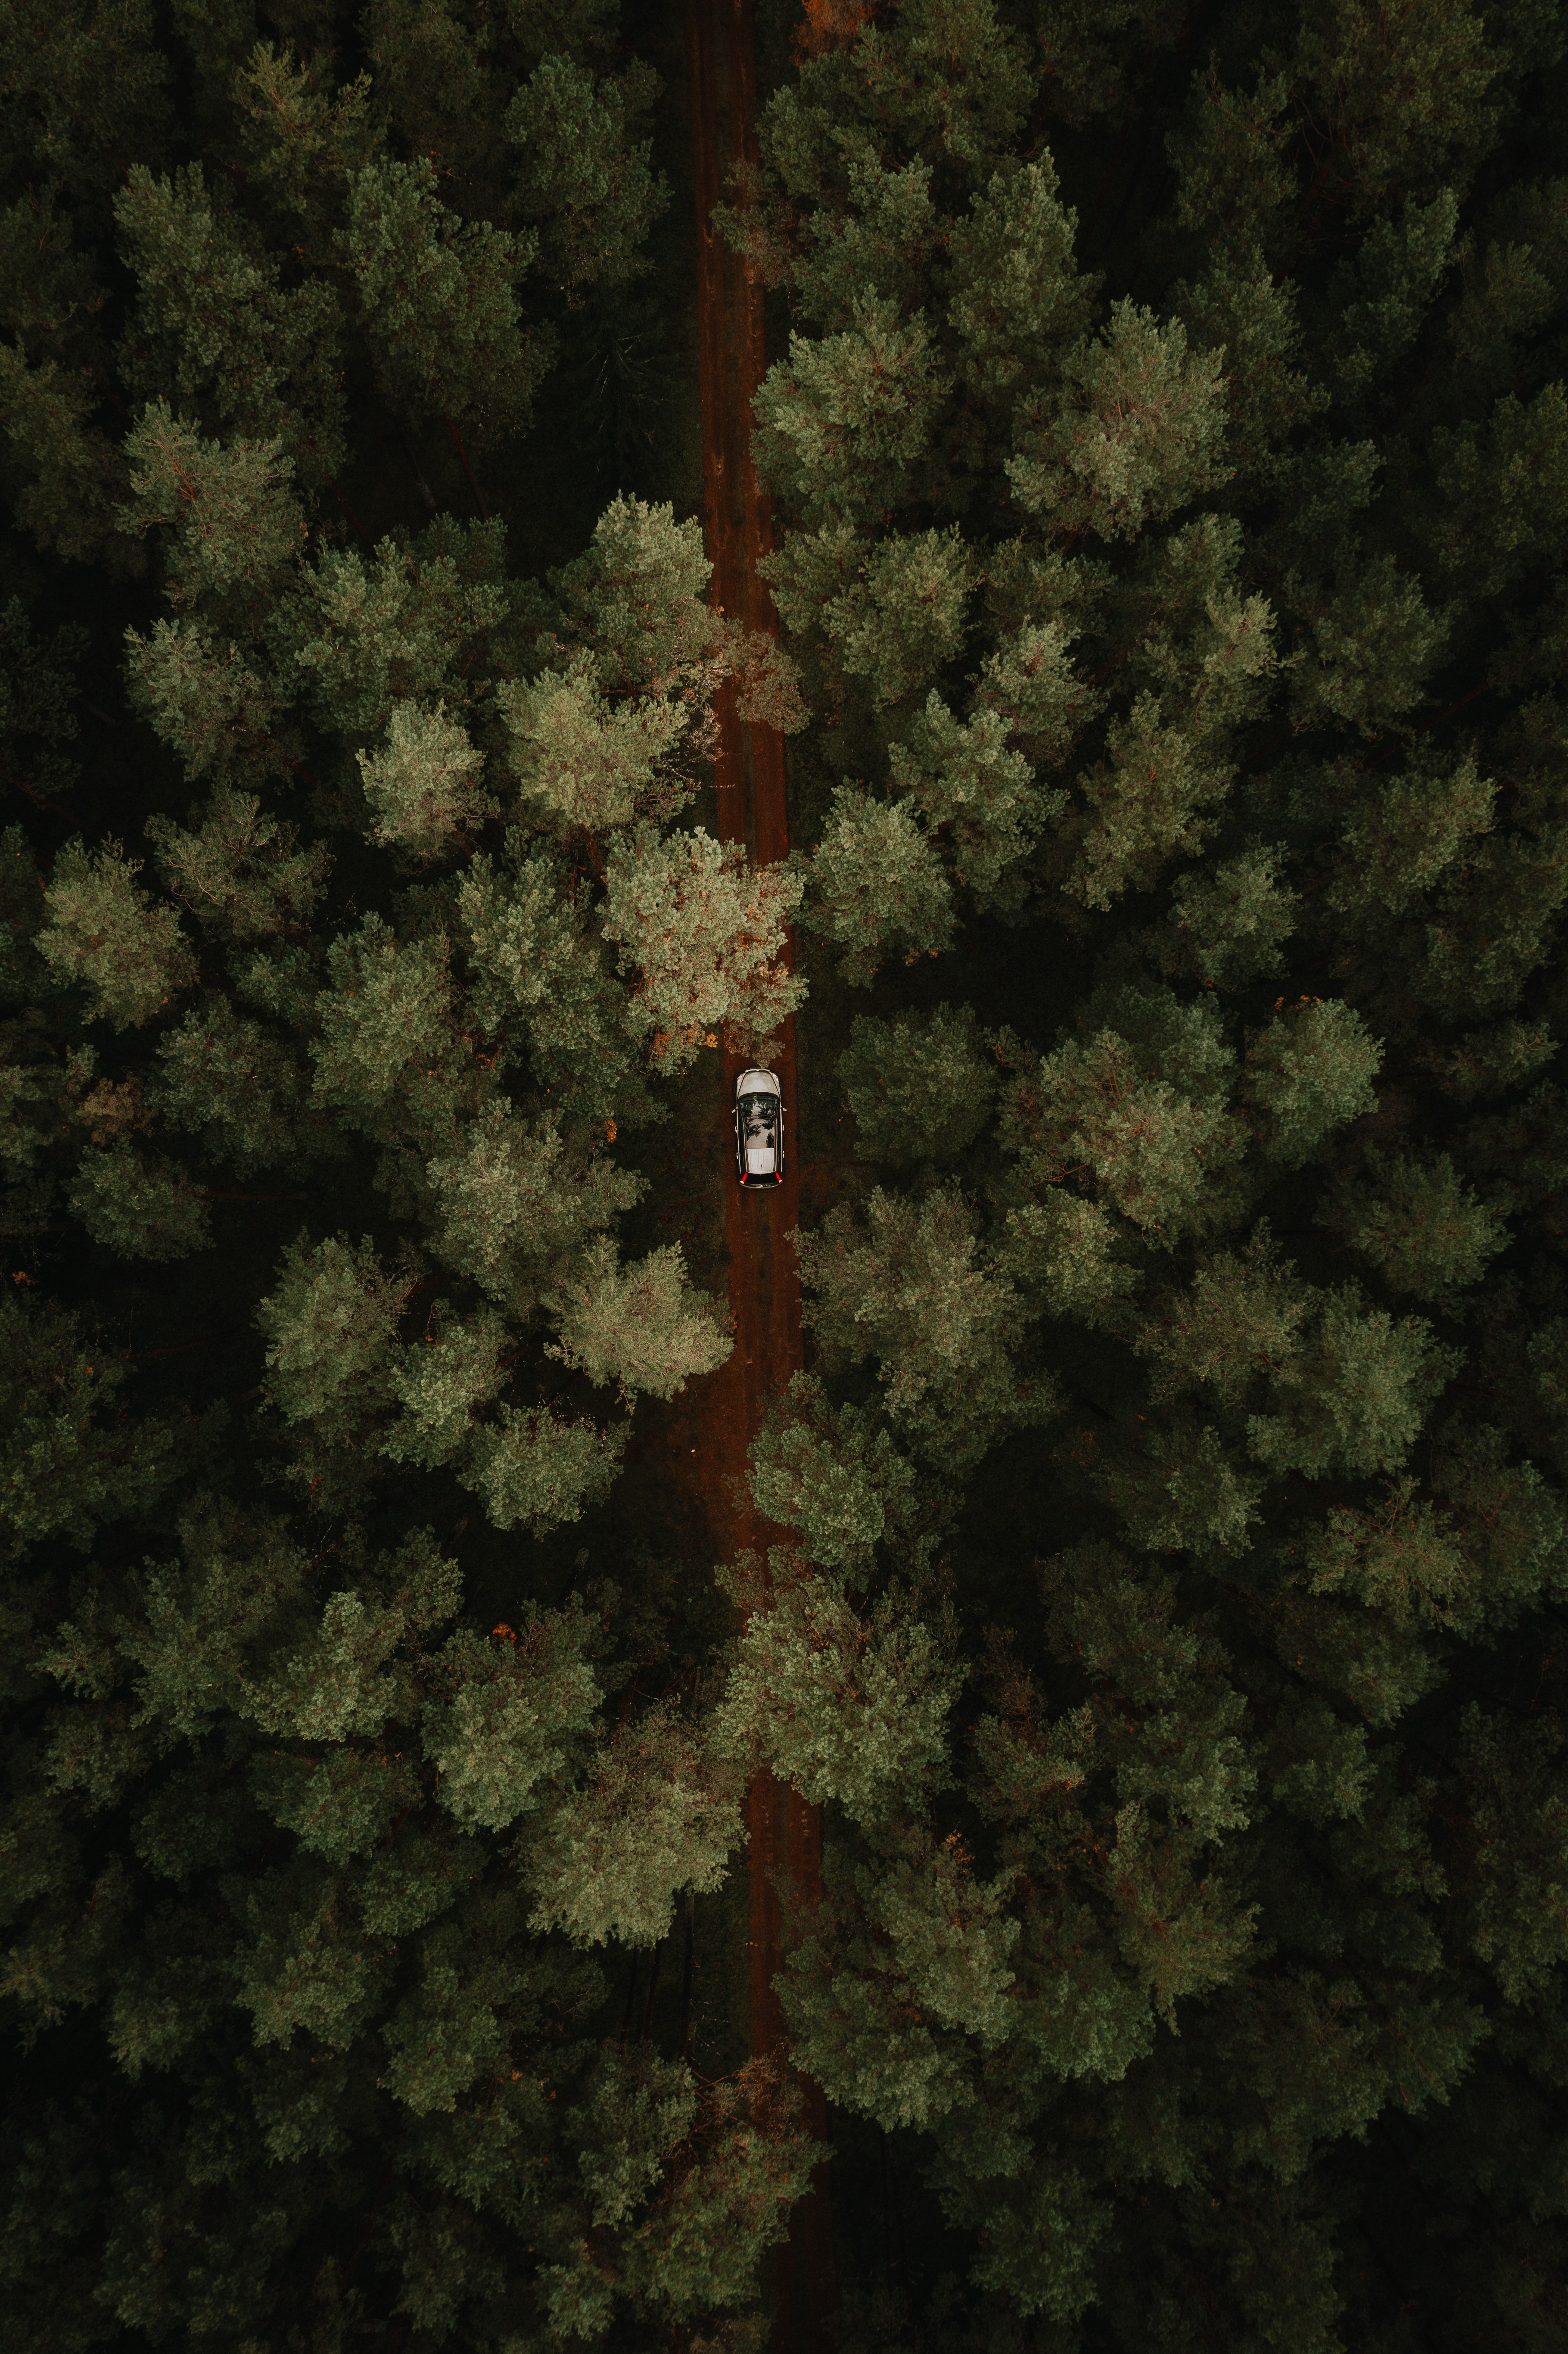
(758, 1082)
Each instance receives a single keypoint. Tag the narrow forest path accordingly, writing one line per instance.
(785, 1833)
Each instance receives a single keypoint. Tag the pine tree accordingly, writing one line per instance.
(437, 300)
(920, 1089)
(574, 144)
(213, 327)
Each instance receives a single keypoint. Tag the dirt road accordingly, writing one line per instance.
(786, 1839)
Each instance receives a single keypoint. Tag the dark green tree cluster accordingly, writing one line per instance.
(1174, 1626)
(1169, 437)
(346, 950)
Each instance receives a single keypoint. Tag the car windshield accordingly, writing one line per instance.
(762, 1108)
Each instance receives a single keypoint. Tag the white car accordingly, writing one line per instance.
(758, 1129)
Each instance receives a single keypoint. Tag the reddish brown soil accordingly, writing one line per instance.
(785, 1833)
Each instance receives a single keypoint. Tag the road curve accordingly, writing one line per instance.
(785, 1833)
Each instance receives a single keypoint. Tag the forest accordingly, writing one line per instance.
(970, 1758)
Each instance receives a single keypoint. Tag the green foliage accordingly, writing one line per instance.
(298, 135)
(1419, 1224)
(1382, 295)
(1407, 107)
(430, 93)
(1354, 1393)
(636, 597)
(842, 1708)
(424, 785)
(534, 1470)
(356, 1745)
(923, 1951)
(843, 419)
(892, 613)
(1309, 1071)
(977, 796)
(515, 1201)
(67, 1467)
(1241, 310)
(1400, 841)
(213, 327)
(582, 761)
(1139, 434)
(584, 178)
(1252, 556)
(1226, 926)
(881, 237)
(1088, 49)
(84, 87)
(516, 1713)
(919, 1086)
(705, 933)
(442, 1383)
(1502, 493)
(276, 1828)
(72, 476)
(230, 511)
(739, 2163)
(527, 951)
(331, 1328)
(138, 1206)
(104, 934)
(1148, 798)
(38, 684)
(240, 870)
(207, 704)
(355, 638)
(1065, 1251)
(389, 1007)
(643, 1327)
(438, 301)
(877, 886)
(611, 729)
(653, 1816)
(1030, 681)
(1139, 1107)
(832, 1476)
(1239, 1322)
(1517, 1795)
(912, 1288)
(1489, 1062)
(1017, 303)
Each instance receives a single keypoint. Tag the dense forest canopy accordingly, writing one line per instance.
(1167, 435)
